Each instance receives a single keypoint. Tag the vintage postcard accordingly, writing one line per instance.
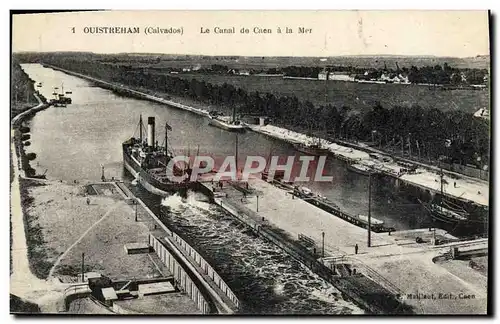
(250, 162)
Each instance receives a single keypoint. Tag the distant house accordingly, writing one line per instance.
(482, 113)
(322, 75)
(401, 79)
(463, 77)
(244, 72)
(394, 78)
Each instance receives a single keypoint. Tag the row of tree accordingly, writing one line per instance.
(22, 89)
(426, 132)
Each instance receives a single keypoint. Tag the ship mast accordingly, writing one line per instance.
(166, 149)
(236, 154)
(166, 139)
(140, 128)
(441, 176)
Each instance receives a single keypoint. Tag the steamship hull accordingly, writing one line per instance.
(148, 181)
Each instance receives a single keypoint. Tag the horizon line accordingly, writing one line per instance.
(239, 55)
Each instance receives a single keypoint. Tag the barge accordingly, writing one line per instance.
(324, 203)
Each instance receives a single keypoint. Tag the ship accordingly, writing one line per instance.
(443, 210)
(225, 122)
(376, 223)
(149, 163)
(60, 99)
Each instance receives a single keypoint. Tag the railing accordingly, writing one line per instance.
(207, 268)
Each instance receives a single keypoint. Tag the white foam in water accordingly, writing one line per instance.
(175, 202)
(193, 200)
(279, 288)
(198, 200)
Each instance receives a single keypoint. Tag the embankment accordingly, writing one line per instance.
(19, 140)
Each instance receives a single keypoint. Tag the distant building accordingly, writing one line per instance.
(244, 72)
(186, 69)
(340, 76)
(463, 77)
(482, 113)
(393, 78)
(335, 76)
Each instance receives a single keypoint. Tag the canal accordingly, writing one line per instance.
(73, 142)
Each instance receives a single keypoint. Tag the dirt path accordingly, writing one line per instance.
(110, 209)
(23, 282)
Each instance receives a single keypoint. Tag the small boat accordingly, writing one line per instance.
(303, 192)
(373, 220)
(69, 92)
(312, 149)
(39, 85)
(360, 169)
(225, 122)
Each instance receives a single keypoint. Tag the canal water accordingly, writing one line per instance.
(73, 142)
(265, 279)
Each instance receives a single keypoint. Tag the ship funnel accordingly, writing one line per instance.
(151, 131)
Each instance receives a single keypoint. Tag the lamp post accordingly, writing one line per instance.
(136, 210)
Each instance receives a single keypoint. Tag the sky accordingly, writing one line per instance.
(333, 33)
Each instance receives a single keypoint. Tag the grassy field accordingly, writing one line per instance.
(355, 95)
(265, 62)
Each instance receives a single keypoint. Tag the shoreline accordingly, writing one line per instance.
(424, 180)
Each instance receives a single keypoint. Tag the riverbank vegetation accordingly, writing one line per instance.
(37, 251)
(455, 136)
(22, 90)
(21, 306)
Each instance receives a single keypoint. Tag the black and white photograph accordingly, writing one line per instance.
(327, 162)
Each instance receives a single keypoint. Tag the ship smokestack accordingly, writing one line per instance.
(151, 131)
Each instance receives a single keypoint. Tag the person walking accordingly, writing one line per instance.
(88, 201)
(356, 247)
